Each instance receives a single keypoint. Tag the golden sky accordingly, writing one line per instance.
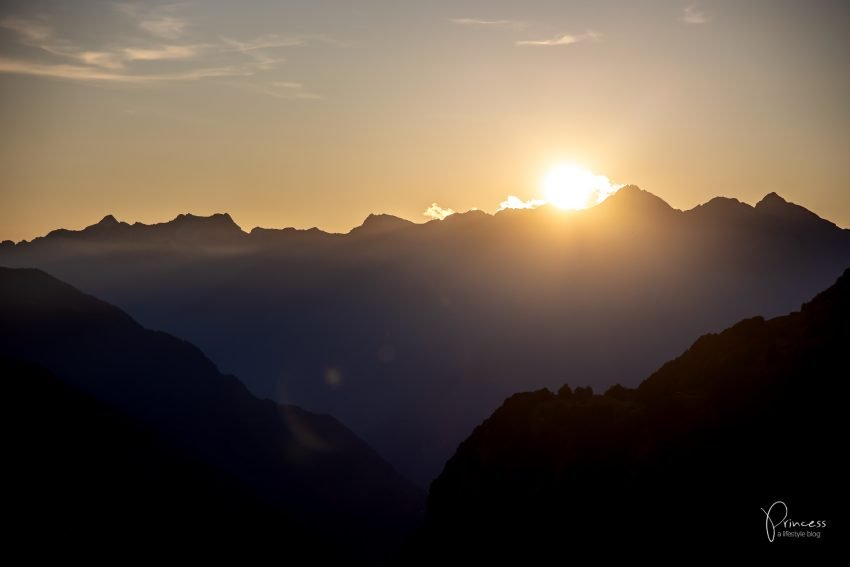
(317, 113)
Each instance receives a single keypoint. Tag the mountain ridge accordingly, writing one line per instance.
(629, 197)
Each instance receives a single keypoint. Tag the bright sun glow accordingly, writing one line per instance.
(571, 187)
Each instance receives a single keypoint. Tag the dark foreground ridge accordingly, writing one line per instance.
(123, 431)
(744, 418)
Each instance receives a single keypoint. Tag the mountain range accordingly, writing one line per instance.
(411, 333)
(133, 437)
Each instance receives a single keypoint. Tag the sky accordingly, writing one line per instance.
(317, 113)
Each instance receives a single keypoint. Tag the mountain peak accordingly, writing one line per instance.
(382, 222)
(108, 220)
(721, 207)
(219, 223)
(775, 207)
(216, 218)
(633, 198)
(771, 199)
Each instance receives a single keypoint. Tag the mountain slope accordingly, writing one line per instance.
(382, 325)
(75, 467)
(305, 464)
(742, 419)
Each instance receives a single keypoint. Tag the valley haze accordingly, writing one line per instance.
(411, 333)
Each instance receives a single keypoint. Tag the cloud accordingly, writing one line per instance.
(514, 202)
(32, 31)
(91, 74)
(694, 16)
(487, 23)
(39, 35)
(166, 27)
(100, 59)
(158, 21)
(96, 65)
(437, 212)
(291, 90)
(158, 52)
(567, 39)
(257, 49)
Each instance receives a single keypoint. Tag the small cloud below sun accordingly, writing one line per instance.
(565, 186)
(514, 202)
(571, 187)
(436, 212)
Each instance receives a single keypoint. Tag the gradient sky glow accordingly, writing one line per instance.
(316, 113)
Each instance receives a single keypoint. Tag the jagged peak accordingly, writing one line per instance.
(108, 220)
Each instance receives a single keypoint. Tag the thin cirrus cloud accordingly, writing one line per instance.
(480, 22)
(158, 21)
(263, 51)
(160, 51)
(694, 16)
(95, 65)
(290, 91)
(92, 74)
(31, 31)
(166, 27)
(567, 39)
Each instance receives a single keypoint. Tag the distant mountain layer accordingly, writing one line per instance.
(741, 420)
(143, 407)
(412, 333)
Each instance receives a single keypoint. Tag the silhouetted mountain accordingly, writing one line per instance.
(302, 465)
(381, 225)
(76, 469)
(742, 419)
(186, 228)
(633, 200)
(381, 326)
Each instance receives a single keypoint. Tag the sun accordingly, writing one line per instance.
(570, 187)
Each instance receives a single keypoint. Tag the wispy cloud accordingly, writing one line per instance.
(292, 90)
(694, 16)
(263, 51)
(437, 212)
(567, 39)
(92, 74)
(488, 23)
(38, 34)
(32, 31)
(160, 52)
(101, 59)
(159, 21)
(166, 27)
